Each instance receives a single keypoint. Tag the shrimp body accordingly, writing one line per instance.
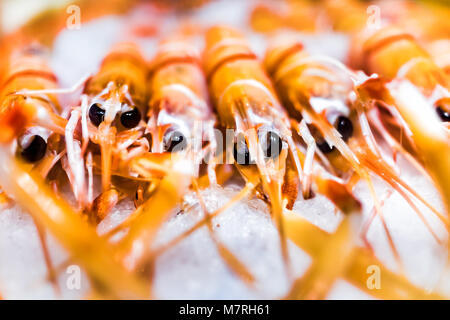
(347, 15)
(117, 97)
(29, 115)
(124, 66)
(394, 53)
(297, 77)
(179, 103)
(178, 109)
(234, 73)
(245, 101)
(321, 92)
(409, 71)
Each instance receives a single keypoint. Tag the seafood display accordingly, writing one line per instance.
(231, 159)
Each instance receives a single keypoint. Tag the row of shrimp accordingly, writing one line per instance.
(137, 126)
(33, 150)
(107, 133)
(327, 136)
(405, 101)
(342, 110)
(276, 154)
(424, 18)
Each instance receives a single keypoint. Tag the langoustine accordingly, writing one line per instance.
(27, 69)
(180, 121)
(263, 147)
(320, 91)
(29, 100)
(112, 100)
(412, 94)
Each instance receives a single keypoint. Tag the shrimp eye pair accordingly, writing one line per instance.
(443, 114)
(174, 141)
(129, 119)
(35, 151)
(271, 148)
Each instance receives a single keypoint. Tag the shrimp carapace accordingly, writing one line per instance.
(247, 106)
(179, 106)
(119, 87)
(27, 71)
(262, 145)
(394, 53)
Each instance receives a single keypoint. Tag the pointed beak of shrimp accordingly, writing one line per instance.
(107, 137)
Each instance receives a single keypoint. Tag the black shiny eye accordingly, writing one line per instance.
(175, 141)
(444, 115)
(240, 152)
(130, 119)
(35, 150)
(273, 145)
(345, 127)
(325, 147)
(96, 114)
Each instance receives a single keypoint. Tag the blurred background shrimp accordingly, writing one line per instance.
(32, 137)
(21, 116)
(319, 91)
(406, 70)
